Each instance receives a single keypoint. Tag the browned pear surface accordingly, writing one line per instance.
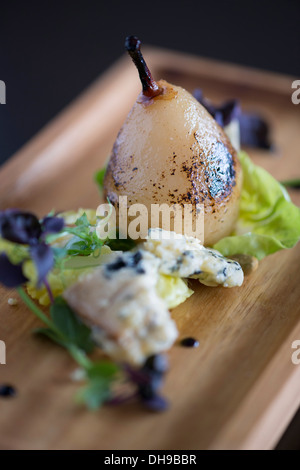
(171, 151)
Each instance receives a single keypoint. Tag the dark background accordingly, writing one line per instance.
(50, 51)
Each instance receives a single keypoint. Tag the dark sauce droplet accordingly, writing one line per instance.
(7, 391)
(189, 342)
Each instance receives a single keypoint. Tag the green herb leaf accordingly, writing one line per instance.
(51, 334)
(78, 247)
(100, 376)
(83, 221)
(72, 330)
(120, 245)
(99, 178)
(85, 240)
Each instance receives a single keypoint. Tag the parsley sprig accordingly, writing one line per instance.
(85, 241)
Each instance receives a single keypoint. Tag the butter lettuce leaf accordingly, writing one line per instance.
(173, 290)
(268, 220)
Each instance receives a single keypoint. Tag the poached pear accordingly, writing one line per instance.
(170, 150)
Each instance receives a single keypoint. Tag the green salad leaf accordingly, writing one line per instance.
(99, 178)
(100, 377)
(67, 328)
(73, 330)
(268, 220)
(119, 244)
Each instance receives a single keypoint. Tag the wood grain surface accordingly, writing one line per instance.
(239, 389)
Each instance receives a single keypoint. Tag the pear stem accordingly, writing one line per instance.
(150, 87)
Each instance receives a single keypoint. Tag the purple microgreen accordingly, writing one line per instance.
(198, 94)
(156, 403)
(229, 111)
(48, 288)
(25, 228)
(254, 130)
(121, 399)
(148, 380)
(19, 227)
(136, 376)
(224, 113)
(11, 275)
(43, 258)
(52, 224)
(157, 363)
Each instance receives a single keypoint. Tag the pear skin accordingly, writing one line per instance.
(170, 150)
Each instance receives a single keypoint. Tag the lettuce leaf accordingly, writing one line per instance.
(99, 178)
(173, 290)
(268, 220)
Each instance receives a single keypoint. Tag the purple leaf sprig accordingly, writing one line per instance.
(224, 113)
(254, 130)
(11, 275)
(147, 381)
(24, 228)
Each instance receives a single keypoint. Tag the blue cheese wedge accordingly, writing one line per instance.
(185, 257)
(119, 300)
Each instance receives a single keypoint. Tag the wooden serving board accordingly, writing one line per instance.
(239, 389)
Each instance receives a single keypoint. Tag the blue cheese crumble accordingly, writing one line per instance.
(119, 300)
(185, 257)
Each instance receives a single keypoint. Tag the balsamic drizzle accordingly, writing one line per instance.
(7, 391)
(189, 342)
